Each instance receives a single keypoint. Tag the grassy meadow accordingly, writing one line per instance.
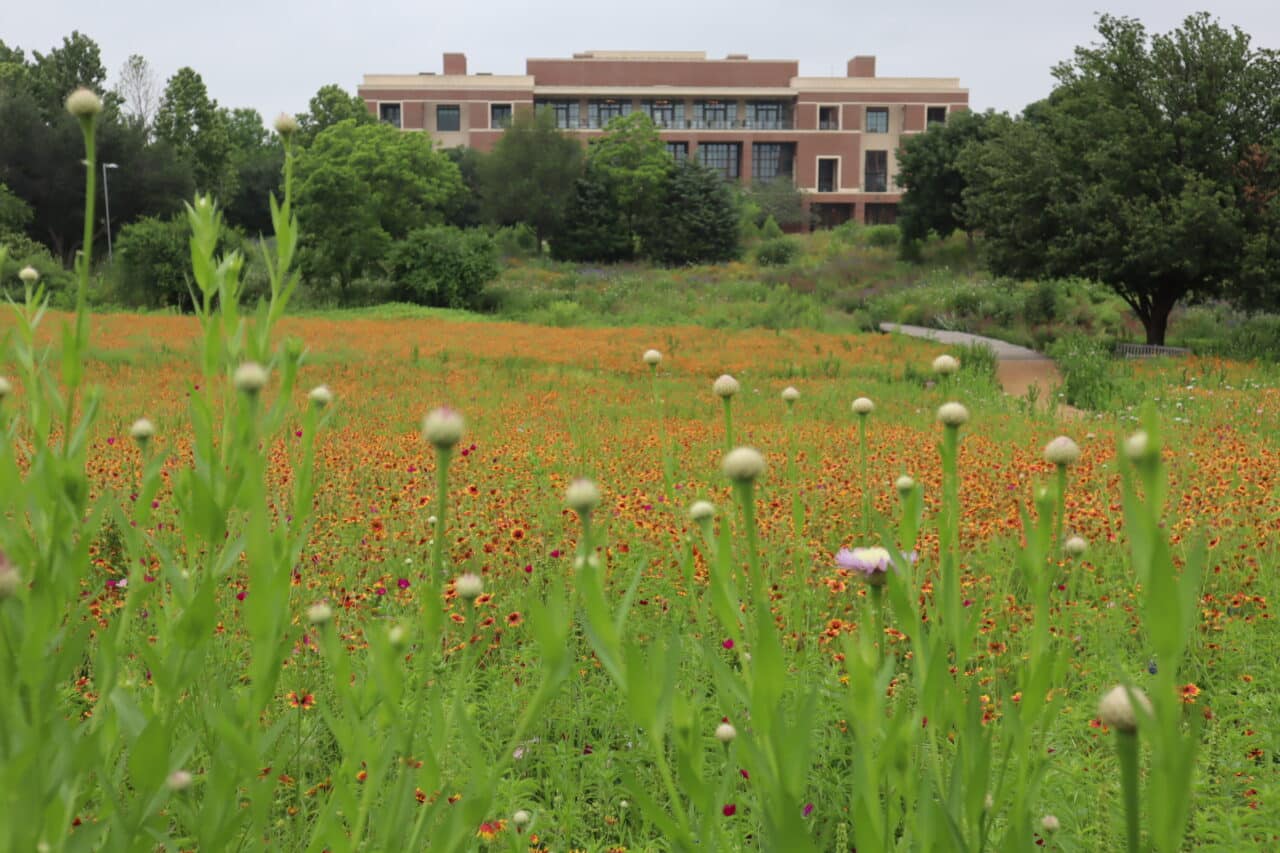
(549, 713)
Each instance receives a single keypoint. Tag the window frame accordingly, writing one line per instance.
(570, 107)
(511, 114)
(867, 171)
(930, 108)
(457, 108)
(677, 145)
(399, 105)
(674, 107)
(839, 111)
(878, 110)
(817, 173)
(732, 170)
(618, 107)
(786, 156)
(729, 109)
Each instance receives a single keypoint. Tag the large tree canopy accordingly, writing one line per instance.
(1133, 171)
(360, 188)
(531, 174)
(330, 105)
(190, 121)
(929, 170)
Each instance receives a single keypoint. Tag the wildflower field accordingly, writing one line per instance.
(600, 599)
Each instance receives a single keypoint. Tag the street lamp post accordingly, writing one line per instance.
(106, 200)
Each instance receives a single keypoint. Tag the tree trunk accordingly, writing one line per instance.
(1157, 323)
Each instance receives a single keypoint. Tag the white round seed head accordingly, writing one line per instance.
(652, 357)
(1117, 711)
(179, 780)
(10, 580)
(790, 394)
(1050, 823)
(743, 464)
(319, 614)
(953, 414)
(443, 427)
(725, 733)
(582, 496)
(702, 510)
(250, 377)
(142, 430)
(29, 275)
(320, 396)
(863, 406)
(6, 387)
(1062, 451)
(83, 104)
(468, 586)
(726, 386)
(396, 636)
(1075, 546)
(1139, 447)
(286, 125)
(904, 484)
(521, 819)
(946, 365)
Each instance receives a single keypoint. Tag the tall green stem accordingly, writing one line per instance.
(746, 497)
(1062, 508)
(1127, 752)
(728, 423)
(866, 482)
(443, 457)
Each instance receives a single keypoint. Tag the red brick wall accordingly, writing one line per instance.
(413, 116)
(622, 72)
(913, 117)
(455, 63)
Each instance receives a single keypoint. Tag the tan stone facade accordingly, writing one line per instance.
(836, 137)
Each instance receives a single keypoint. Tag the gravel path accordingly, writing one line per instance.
(1017, 368)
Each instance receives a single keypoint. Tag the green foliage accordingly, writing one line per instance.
(779, 199)
(25, 252)
(770, 230)
(190, 121)
(881, 236)
(464, 209)
(330, 105)
(361, 188)
(516, 241)
(443, 266)
(1088, 379)
(929, 172)
(1129, 173)
(777, 252)
(594, 230)
(632, 162)
(153, 262)
(530, 175)
(696, 220)
(14, 213)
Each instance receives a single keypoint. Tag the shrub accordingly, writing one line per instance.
(1042, 303)
(153, 262)
(25, 252)
(697, 219)
(594, 229)
(443, 266)
(516, 241)
(882, 236)
(1086, 371)
(979, 358)
(777, 252)
(770, 230)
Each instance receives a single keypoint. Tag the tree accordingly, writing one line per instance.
(257, 159)
(465, 209)
(778, 199)
(696, 220)
(58, 73)
(190, 121)
(1130, 172)
(138, 90)
(929, 170)
(633, 162)
(14, 213)
(330, 105)
(529, 176)
(361, 187)
(153, 267)
(594, 229)
(444, 266)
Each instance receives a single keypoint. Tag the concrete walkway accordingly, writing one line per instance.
(1017, 368)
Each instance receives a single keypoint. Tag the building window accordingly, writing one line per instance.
(665, 113)
(448, 117)
(600, 113)
(828, 118)
(566, 112)
(678, 150)
(499, 116)
(936, 115)
(876, 179)
(771, 160)
(828, 174)
(724, 157)
(716, 115)
(767, 115)
(877, 119)
(390, 113)
(880, 214)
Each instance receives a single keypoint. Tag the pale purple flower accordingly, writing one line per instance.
(872, 562)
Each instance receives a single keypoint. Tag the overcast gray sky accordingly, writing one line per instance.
(274, 54)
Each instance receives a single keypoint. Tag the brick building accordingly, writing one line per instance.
(751, 119)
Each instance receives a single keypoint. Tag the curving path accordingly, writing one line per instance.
(1017, 368)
